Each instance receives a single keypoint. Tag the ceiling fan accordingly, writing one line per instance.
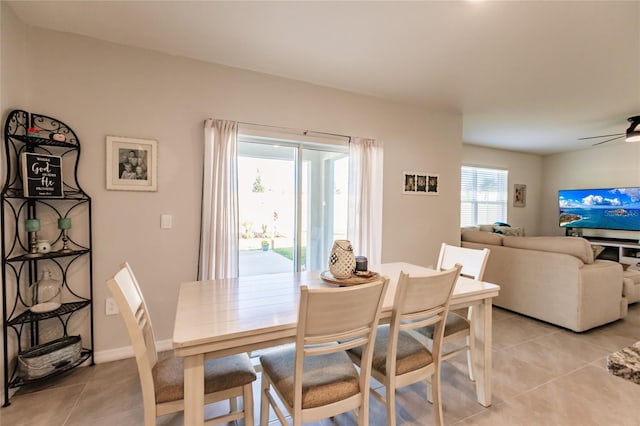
(632, 134)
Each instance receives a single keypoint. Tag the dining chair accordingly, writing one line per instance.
(400, 357)
(162, 379)
(315, 378)
(457, 326)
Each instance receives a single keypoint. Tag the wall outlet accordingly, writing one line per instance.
(110, 307)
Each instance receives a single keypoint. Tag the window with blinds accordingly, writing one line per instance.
(483, 196)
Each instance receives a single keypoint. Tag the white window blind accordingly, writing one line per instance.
(483, 196)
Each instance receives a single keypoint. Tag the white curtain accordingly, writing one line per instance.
(365, 198)
(219, 234)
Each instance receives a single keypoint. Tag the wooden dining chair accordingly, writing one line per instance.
(162, 380)
(315, 378)
(459, 327)
(399, 357)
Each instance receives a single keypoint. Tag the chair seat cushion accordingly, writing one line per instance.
(326, 378)
(454, 324)
(219, 374)
(411, 353)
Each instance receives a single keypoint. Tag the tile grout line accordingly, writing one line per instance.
(84, 389)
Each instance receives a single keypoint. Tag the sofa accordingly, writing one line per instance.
(553, 279)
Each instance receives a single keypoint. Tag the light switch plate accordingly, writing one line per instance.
(110, 307)
(166, 221)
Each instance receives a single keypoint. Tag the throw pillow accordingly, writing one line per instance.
(509, 231)
(596, 250)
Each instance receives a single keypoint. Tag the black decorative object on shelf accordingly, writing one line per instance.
(37, 236)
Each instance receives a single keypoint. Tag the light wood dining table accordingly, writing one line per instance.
(229, 316)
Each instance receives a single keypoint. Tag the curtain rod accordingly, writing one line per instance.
(291, 129)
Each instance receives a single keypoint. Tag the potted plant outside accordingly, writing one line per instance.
(265, 245)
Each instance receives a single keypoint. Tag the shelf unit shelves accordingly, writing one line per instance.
(23, 328)
(622, 251)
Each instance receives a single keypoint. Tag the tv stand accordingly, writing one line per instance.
(622, 251)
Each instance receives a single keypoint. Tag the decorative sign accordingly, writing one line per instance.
(42, 175)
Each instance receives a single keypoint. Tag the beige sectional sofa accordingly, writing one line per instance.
(554, 279)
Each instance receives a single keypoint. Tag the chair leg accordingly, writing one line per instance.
(264, 401)
(437, 402)
(233, 404)
(363, 412)
(391, 406)
(429, 391)
(470, 353)
(247, 403)
(471, 345)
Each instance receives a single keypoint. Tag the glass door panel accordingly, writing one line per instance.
(293, 203)
(266, 198)
(324, 204)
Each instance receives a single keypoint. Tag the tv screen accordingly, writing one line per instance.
(604, 208)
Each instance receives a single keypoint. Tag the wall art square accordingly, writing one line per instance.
(519, 195)
(132, 164)
(42, 175)
(420, 183)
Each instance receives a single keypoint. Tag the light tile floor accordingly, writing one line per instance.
(542, 375)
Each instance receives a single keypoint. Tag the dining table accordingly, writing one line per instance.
(216, 318)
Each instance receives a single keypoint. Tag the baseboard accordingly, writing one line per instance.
(125, 352)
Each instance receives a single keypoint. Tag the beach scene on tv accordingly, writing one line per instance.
(606, 208)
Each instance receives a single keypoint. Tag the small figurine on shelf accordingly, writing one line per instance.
(32, 226)
(64, 224)
(33, 132)
(58, 137)
(43, 246)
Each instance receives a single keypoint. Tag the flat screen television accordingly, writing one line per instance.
(603, 208)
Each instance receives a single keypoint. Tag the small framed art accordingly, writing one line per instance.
(519, 195)
(420, 183)
(132, 164)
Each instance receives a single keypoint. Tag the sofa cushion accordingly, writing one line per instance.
(575, 246)
(482, 237)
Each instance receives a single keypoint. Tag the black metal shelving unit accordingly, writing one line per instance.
(20, 271)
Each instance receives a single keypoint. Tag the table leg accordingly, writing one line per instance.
(482, 331)
(194, 390)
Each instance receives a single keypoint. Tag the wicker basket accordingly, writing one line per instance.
(42, 360)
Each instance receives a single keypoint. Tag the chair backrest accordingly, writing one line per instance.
(473, 261)
(420, 301)
(133, 309)
(338, 319)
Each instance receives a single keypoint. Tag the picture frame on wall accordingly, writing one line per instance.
(519, 195)
(409, 183)
(420, 183)
(132, 164)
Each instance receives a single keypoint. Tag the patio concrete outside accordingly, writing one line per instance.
(256, 262)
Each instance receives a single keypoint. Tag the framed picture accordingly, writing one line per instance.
(419, 183)
(519, 195)
(132, 164)
(409, 183)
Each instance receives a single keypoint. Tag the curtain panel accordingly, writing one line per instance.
(364, 227)
(219, 235)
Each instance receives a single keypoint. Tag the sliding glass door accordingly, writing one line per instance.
(293, 200)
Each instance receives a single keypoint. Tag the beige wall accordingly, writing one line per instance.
(12, 90)
(12, 75)
(523, 169)
(104, 89)
(614, 164)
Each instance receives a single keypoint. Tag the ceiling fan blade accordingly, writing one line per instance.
(601, 136)
(608, 140)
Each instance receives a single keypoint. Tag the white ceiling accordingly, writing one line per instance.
(529, 76)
